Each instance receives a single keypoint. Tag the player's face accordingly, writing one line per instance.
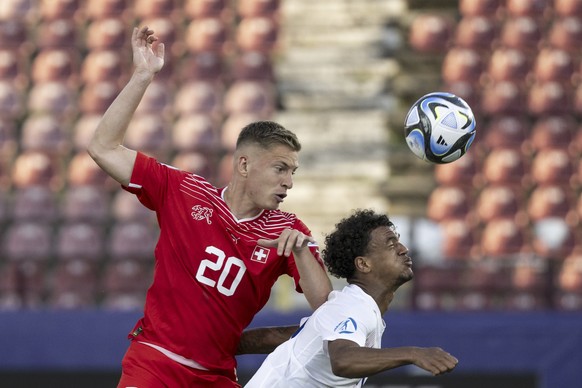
(271, 175)
(392, 262)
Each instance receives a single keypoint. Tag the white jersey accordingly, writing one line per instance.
(303, 361)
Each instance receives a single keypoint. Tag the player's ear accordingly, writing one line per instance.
(242, 165)
(362, 264)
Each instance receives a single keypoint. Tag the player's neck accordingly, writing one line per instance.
(237, 204)
(381, 296)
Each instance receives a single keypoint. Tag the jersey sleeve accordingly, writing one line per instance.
(345, 322)
(149, 181)
(313, 247)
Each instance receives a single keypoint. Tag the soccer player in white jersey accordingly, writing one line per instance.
(220, 250)
(339, 345)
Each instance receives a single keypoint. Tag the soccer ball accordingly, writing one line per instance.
(439, 127)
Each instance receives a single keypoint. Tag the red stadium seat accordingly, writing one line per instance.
(207, 35)
(564, 8)
(553, 64)
(28, 241)
(430, 33)
(566, 33)
(195, 132)
(57, 9)
(53, 98)
(145, 9)
(252, 8)
(553, 132)
(503, 98)
(58, 33)
(448, 202)
(498, 201)
(550, 201)
(508, 64)
(55, 64)
(194, 162)
(22, 10)
(462, 64)
(522, 33)
(537, 9)
(108, 34)
(204, 66)
(505, 166)
(103, 65)
(80, 241)
(257, 34)
(132, 241)
(82, 171)
(158, 99)
(250, 97)
(502, 238)
(476, 32)
(85, 204)
(233, 125)
(37, 168)
(35, 203)
(197, 9)
(97, 97)
(199, 97)
(127, 276)
(509, 131)
(13, 69)
(125, 207)
(103, 9)
(74, 285)
(479, 7)
(83, 130)
(12, 104)
(549, 98)
(463, 173)
(553, 166)
(46, 134)
(459, 240)
(149, 134)
(254, 66)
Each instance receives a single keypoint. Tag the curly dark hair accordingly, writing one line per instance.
(349, 240)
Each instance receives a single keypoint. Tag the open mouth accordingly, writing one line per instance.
(280, 197)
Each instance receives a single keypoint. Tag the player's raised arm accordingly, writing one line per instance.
(314, 281)
(106, 146)
(263, 340)
(348, 359)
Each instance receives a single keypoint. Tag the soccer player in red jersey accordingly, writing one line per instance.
(220, 250)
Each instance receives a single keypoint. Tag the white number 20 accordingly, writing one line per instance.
(224, 268)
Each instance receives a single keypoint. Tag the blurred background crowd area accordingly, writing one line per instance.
(497, 230)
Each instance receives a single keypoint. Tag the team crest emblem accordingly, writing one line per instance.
(260, 254)
(349, 326)
(202, 213)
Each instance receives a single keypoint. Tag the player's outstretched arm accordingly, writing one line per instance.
(106, 146)
(314, 281)
(348, 359)
(263, 340)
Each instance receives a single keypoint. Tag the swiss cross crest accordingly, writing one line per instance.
(200, 213)
(260, 254)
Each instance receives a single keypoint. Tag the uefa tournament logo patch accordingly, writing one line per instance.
(349, 326)
(260, 254)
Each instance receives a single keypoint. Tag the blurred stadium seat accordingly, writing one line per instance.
(85, 204)
(479, 7)
(35, 204)
(78, 240)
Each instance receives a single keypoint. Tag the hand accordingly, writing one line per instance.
(145, 59)
(434, 360)
(290, 240)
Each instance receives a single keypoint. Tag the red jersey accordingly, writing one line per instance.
(210, 277)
